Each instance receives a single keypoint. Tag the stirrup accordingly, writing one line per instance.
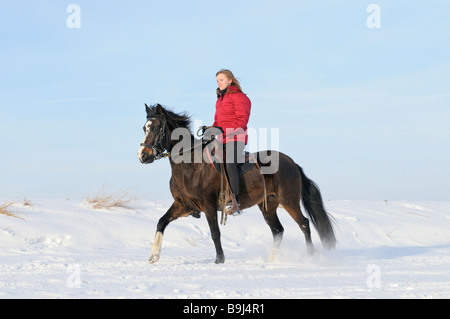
(233, 208)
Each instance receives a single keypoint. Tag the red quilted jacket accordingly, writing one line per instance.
(232, 115)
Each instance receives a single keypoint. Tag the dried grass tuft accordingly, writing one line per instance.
(4, 210)
(103, 200)
(27, 202)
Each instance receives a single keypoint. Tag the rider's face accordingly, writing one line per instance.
(222, 81)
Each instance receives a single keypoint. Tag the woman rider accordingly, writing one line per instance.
(231, 118)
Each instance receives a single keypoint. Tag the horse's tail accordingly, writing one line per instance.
(313, 204)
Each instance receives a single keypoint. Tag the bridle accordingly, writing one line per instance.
(158, 150)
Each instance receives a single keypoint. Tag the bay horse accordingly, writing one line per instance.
(196, 186)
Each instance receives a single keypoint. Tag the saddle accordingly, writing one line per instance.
(216, 156)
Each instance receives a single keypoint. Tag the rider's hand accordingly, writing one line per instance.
(211, 132)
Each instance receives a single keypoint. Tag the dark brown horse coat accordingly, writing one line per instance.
(195, 187)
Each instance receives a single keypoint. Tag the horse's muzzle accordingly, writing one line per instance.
(146, 159)
(145, 155)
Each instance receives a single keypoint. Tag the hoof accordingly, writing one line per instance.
(276, 252)
(153, 258)
(220, 260)
(311, 250)
(195, 214)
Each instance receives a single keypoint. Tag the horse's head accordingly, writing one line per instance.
(156, 140)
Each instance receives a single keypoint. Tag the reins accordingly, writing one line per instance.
(160, 151)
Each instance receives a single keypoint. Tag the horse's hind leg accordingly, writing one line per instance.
(271, 218)
(293, 208)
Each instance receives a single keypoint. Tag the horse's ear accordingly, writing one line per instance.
(159, 109)
(147, 109)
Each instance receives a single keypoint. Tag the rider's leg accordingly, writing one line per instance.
(234, 155)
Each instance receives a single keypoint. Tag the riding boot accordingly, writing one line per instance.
(233, 206)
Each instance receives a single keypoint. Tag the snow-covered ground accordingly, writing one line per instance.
(66, 249)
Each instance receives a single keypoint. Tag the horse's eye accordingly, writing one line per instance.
(156, 129)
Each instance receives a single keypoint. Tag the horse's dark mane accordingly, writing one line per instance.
(174, 120)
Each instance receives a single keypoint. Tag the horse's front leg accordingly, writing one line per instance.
(175, 211)
(211, 216)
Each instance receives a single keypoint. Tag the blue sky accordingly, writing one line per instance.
(364, 111)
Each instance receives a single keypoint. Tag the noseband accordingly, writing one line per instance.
(158, 150)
